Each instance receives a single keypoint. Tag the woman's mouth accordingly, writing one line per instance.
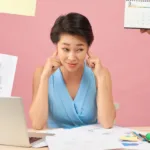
(71, 65)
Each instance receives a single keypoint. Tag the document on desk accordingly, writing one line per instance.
(8, 65)
(86, 137)
(92, 137)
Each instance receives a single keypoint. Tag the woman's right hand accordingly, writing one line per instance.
(51, 65)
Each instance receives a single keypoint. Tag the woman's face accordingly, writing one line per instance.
(72, 50)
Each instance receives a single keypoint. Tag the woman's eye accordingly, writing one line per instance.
(80, 50)
(66, 49)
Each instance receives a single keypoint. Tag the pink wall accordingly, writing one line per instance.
(125, 52)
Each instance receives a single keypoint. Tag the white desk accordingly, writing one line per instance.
(146, 129)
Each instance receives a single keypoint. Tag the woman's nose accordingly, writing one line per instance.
(72, 56)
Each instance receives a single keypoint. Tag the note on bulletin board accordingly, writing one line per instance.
(18, 7)
(8, 64)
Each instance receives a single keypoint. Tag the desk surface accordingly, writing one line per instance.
(146, 129)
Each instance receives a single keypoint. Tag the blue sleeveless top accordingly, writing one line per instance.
(64, 112)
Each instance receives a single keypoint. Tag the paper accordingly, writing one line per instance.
(93, 137)
(82, 141)
(137, 14)
(87, 137)
(51, 131)
(40, 144)
(97, 128)
(18, 7)
(7, 73)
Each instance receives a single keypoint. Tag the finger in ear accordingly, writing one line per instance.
(89, 54)
(55, 53)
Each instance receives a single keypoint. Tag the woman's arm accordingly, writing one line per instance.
(39, 108)
(106, 109)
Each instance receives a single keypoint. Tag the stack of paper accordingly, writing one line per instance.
(93, 137)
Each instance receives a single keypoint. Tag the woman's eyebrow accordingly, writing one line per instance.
(67, 44)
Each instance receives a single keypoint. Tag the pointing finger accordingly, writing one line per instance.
(55, 54)
(89, 54)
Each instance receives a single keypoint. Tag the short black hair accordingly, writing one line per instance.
(74, 24)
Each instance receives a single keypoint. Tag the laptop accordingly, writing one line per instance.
(13, 128)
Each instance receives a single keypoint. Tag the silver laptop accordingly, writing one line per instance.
(13, 129)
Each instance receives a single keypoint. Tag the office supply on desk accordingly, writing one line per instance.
(129, 138)
(8, 65)
(87, 137)
(137, 14)
(130, 144)
(138, 136)
(148, 136)
(144, 137)
(13, 129)
(92, 137)
(18, 7)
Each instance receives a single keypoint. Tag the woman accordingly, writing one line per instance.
(70, 91)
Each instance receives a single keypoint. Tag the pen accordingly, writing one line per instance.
(138, 136)
(143, 136)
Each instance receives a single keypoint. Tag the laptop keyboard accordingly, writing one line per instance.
(34, 139)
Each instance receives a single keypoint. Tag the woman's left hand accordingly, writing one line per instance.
(95, 64)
